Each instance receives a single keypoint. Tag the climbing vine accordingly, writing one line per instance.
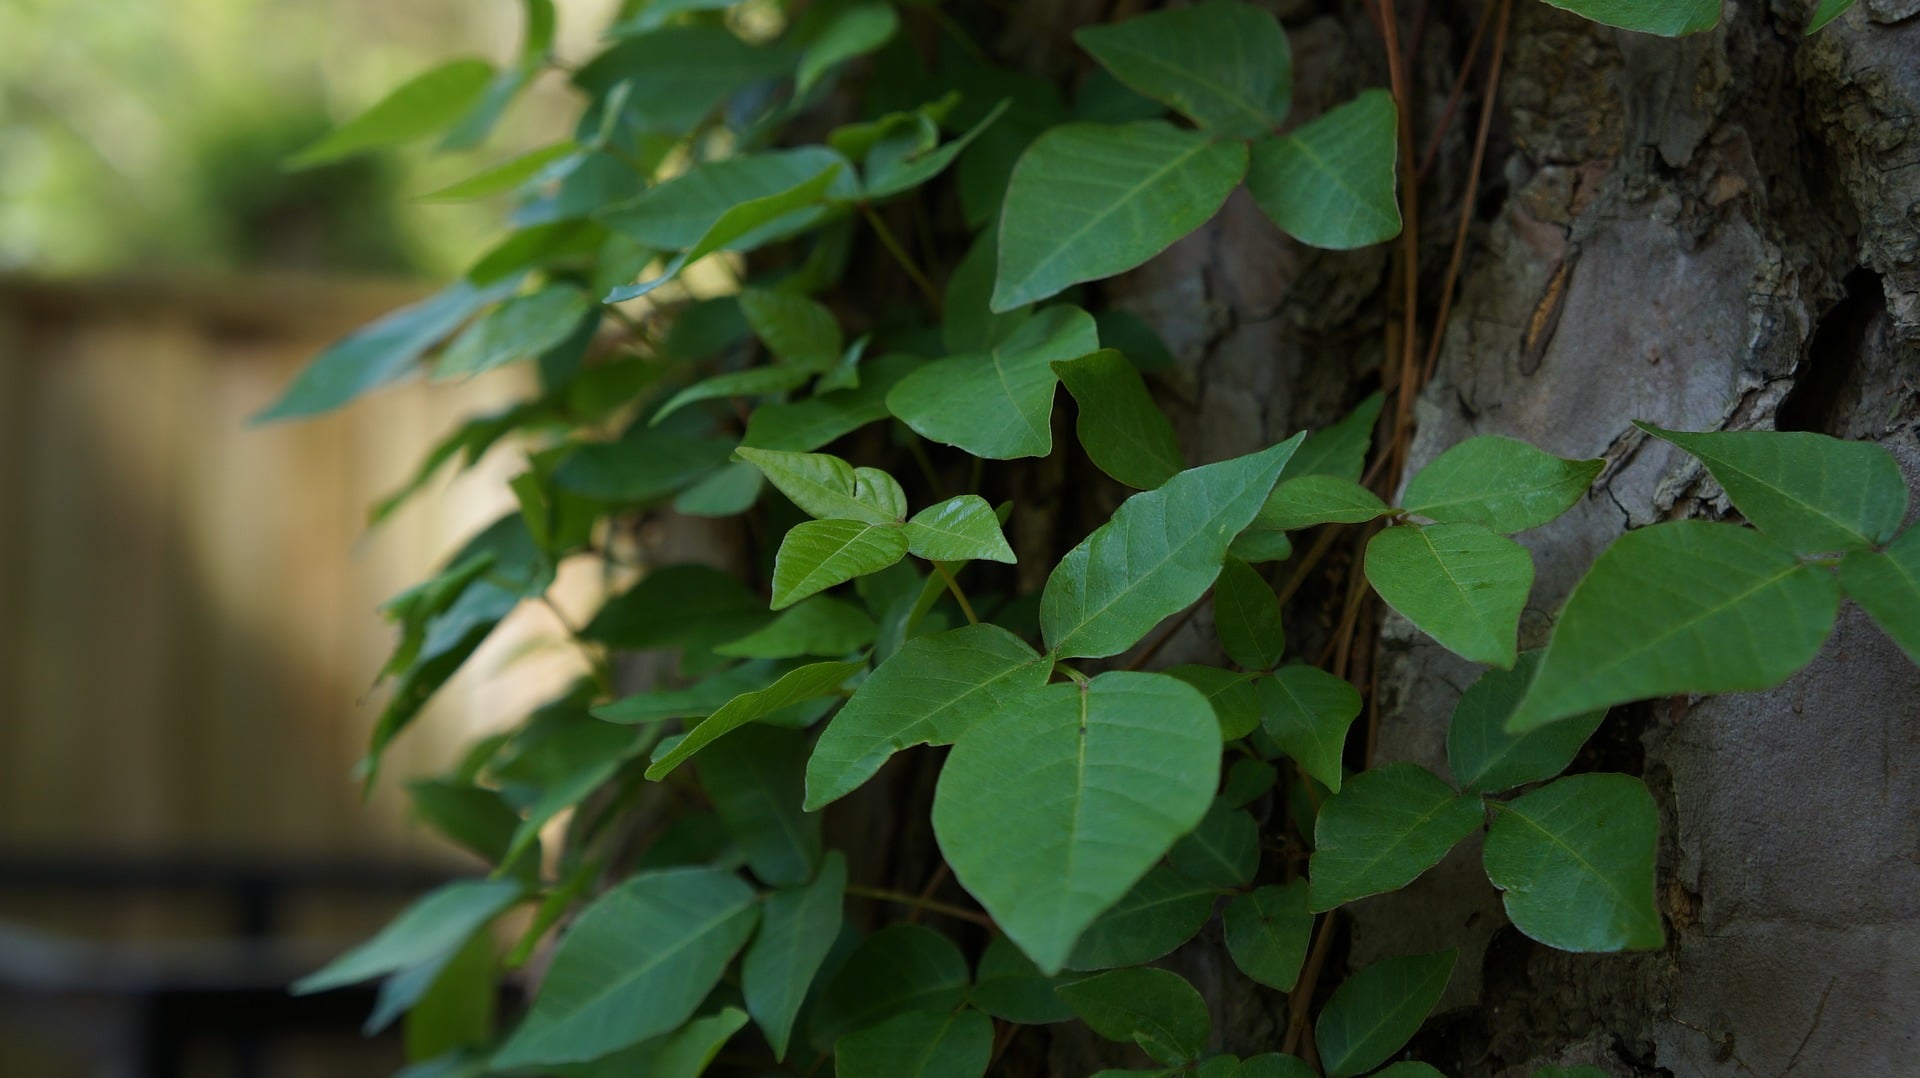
(690, 275)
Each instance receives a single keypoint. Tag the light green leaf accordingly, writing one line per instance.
(684, 1053)
(504, 176)
(1307, 712)
(449, 1003)
(745, 225)
(801, 331)
(1274, 1065)
(897, 970)
(676, 214)
(433, 926)
(1161, 912)
(1103, 777)
(997, 405)
(821, 553)
(1498, 483)
(1224, 65)
(1828, 11)
(1008, 985)
(1224, 850)
(1246, 615)
(807, 683)
(520, 328)
(1811, 493)
(1458, 583)
(1161, 551)
(797, 930)
(1125, 434)
(821, 625)
(898, 163)
(1668, 18)
(928, 693)
(854, 32)
(1388, 826)
(755, 780)
(828, 488)
(419, 108)
(958, 529)
(1575, 859)
(1087, 201)
(752, 382)
(1318, 499)
(1235, 703)
(809, 424)
(1486, 758)
(918, 1044)
(1887, 587)
(1267, 933)
(635, 965)
(1377, 1010)
(1329, 182)
(1682, 607)
(1154, 1008)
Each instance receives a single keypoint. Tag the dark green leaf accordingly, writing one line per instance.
(959, 529)
(646, 464)
(854, 31)
(918, 1044)
(1887, 587)
(1388, 826)
(752, 382)
(1224, 65)
(821, 625)
(807, 683)
(897, 164)
(453, 1010)
(747, 224)
(821, 553)
(1124, 433)
(1246, 615)
(727, 490)
(1224, 850)
(755, 780)
(1575, 859)
(1159, 913)
(805, 425)
(1377, 1010)
(1274, 1065)
(430, 928)
(1307, 712)
(675, 77)
(520, 328)
(1828, 11)
(692, 606)
(420, 107)
(1267, 933)
(1329, 182)
(1247, 781)
(1498, 483)
(1458, 583)
(799, 330)
(675, 215)
(1486, 758)
(654, 14)
(797, 929)
(899, 969)
(1668, 18)
(507, 175)
(1235, 702)
(1008, 985)
(997, 405)
(1154, 1008)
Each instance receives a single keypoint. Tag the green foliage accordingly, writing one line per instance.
(850, 423)
(1669, 18)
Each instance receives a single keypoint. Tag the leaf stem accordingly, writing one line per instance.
(958, 595)
(902, 898)
(900, 255)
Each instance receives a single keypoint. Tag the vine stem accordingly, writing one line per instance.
(902, 898)
(900, 255)
(1301, 998)
(1453, 94)
(939, 876)
(1409, 342)
(958, 595)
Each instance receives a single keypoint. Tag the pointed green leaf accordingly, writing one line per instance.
(1388, 826)
(1160, 552)
(918, 1044)
(821, 553)
(1224, 850)
(674, 215)
(755, 780)
(854, 32)
(1887, 587)
(1498, 483)
(1330, 182)
(1235, 702)
(1575, 859)
(897, 164)
(1377, 1010)
(828, 488)
(1222, 64)
(821, 625)
(1340, 450)
(797, 930)
(1486, 758)
(635, 964)
(1682, 607)
(520, 328)
(1267, 932)
(1318, 499)
(432, 926)
(1087, 201)
(1161, 912)
(897, 970)
(1103, 777)
(1125, 434)
(1458, 583)
(416, 109)
(504, 176)
(1274, 1065)
(1246, 615)
(1247, 781)
(804, 425)
(969, 326)
(1811, 493)
(801, 331)
(1828, 11)
(710, 608)
(745, 225)
(1668, 18)
(1008, 985)
(958, 529)
(668, 81)
(807, 683)
(998, 405)
(1307, 712)
(752, 382)
(1154, 1008)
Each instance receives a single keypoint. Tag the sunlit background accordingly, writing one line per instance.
(188, 606)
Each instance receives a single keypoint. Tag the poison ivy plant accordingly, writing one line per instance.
(815, 274)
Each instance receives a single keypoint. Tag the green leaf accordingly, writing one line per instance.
(1410, 1068)
(419, 108)
(928, 693)
(807, 683)
(1500, 484)
(821, 625)
(520, 328)
(828, 488)
(1682, 607)
(684, 1053)
(654, 14)
(433, 926)
(1575, 859)
(1828, 11)
(1811, 493)
(1887, 587)
(809, 424)
(854, 32)
(1008, 985)
(897, 164)
(635, 965)
(1274, 1065)
(454, 1006)
(997, 405)
(1246, 615)
(797, 930)
(1248, 780)
(1087, 201)
(969, 325)
(752, 382)
(918, 1044)
(1154, 1008)
(1329, 182)
(710, 608)
(1668, 18)
(1318, 499)
(1486, 758)
(1235, 703)
(1307, 712)
(1125, 434)
(747, 224)
(1377, 1010)
(1103, 777)
(1267, 933)
(677, 213)
(755, 780)
(1224, 65)
(959, 529)
(1224, 850)
(676, 77)
(821, 553)
(646, 464)
(1159, 913)
(801, 331)
(1340, 450)
(1458, 583)
(1388, 826)
(505, 176)
(1160, 552)
(897, 970)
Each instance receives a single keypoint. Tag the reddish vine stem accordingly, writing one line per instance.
(1301, 998)
(1453, 94)
(926, 893)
